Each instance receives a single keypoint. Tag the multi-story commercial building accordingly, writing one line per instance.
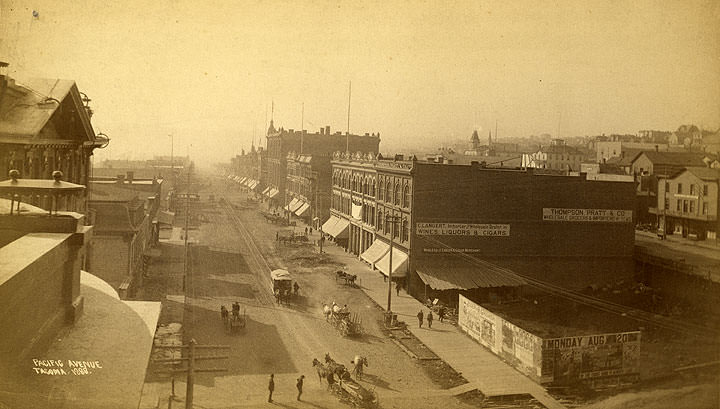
(467, 228)
(308, 181)
(354, 205)
(687, 203)
(281, 142)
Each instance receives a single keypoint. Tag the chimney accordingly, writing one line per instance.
(327, 130)
(322, 131)
(120, 179)
(130, 176)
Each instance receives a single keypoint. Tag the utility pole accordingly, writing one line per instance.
(187, 216)
(191, 359)
(392, 219)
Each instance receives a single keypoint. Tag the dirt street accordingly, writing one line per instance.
(231, 262)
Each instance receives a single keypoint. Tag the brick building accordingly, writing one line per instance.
(458, 228)
(308, 181)
(558, 156)
(354, 185)
(281, 142)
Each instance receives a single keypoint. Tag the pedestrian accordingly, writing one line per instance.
(277, 236)
(300, 385)
(271, 386)
(420, 318)
(311, 230)
(296, 287)
(306, 231)
(430, 319)
(441, 313)
(397, 288)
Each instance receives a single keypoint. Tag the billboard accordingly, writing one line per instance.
(554, 360)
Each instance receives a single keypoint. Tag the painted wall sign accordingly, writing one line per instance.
(462, 229)
(587, 215)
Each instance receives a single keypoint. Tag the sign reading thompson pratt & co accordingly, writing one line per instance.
(587, 215)
(462, 229)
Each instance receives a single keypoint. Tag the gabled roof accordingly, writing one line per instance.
(705, 173)
(26, 109)
(684, 159)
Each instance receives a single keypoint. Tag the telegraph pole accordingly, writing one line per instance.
(392, 219)
(191, 359)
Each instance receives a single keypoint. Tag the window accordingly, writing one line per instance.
(705, 190)
(692, 206)
(387, 225)
(704, 208)
(679, 205)
(667, 186)
(379, 220)
(685, 206)
(405, 230)
(692, 189)
(679, 188)
(381, 196)
(395, 230)
(667, 204)
(398, 193)
(388, 192)
(406, 196)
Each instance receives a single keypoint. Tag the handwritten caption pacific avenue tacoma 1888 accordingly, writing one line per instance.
(63, 367)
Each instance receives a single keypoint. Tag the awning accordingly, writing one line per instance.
(290, 205)
(303, 209)
(297, 206)
(256, 185)
(280, 275)
(357, 211)
(240, 181)
(399, 260)
(453, 274)
(329, 224)
(375, 252)
(273, 192)
(340, 229)
(265, 192)
(164, 217)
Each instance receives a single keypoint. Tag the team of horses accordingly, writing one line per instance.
(332, 370)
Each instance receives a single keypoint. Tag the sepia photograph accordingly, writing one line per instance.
(368, 204)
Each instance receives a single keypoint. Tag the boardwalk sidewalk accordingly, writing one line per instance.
(479, 366)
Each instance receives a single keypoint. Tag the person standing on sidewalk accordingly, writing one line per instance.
(420, 318)
(430, 319)
(300, 385)
(397, 288)
(271, 387)
(441, 313)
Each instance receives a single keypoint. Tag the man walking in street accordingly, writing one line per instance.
(300, 385)
(420, 318)
(271, 386)
(430, 319)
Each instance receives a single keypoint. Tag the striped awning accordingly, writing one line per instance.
(302, 211)
(375, 252)
(399, 263)
(452, 274)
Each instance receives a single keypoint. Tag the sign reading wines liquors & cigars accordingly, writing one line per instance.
(587, 215)
(462, 229)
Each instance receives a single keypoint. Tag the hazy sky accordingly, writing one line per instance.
(421, 72)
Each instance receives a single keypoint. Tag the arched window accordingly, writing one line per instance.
(372, 188)
(406, 196)
(387, 226)
(388, 192)
(397, 194)
(379, 225)
(396, 229)
(381, 195)
(405, 230)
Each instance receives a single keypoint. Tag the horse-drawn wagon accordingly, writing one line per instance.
(233, 322)
(340, 381)
(347, 324)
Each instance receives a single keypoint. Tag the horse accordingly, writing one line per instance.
(350, 279)
(321, 369)
(336, 368)
(340, 274)
(359, 362)
(223, 313)
(327, 311)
